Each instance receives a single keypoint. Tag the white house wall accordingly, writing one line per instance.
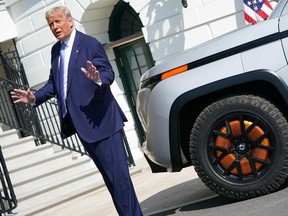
(7, 25)
(168, 29)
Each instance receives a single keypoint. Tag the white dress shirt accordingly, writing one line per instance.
(69, 44)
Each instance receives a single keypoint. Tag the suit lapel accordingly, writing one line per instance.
(72, 61)
(55, 64)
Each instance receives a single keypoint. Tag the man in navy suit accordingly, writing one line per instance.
(80, 77)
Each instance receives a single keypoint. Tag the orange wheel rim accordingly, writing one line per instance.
(229, 159)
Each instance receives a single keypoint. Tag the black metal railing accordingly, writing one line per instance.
(41, 122)
(13, 67)
(8, 200)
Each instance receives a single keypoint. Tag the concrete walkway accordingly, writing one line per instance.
(156, 192)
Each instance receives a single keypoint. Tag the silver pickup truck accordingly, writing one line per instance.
(222, 107)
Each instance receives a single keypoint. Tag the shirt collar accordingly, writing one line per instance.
(69, 41)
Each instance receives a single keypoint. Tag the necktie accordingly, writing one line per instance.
(62, 96)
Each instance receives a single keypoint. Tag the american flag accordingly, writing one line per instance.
(256, 10)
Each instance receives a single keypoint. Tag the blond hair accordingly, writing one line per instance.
(56, 10)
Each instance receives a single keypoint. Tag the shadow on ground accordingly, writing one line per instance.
(188, 196)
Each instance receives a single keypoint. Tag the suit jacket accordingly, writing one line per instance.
(92, 108)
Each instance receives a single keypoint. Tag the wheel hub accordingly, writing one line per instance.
(242, 148)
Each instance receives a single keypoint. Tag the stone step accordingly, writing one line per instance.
(4, 127)
(7, 136)
(56, 178)
(50, 174)
(24, 144)
(45, 176)
(90, 198)
(54, 193)
(29, 154)
(16, 166)
(47, 168)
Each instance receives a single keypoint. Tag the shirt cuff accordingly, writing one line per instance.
(98, 82)
(33, 103)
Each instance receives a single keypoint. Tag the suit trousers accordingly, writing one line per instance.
(110, 158)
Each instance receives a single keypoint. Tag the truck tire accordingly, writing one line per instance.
(239, 147)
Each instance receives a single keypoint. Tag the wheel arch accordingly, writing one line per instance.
(260, 82)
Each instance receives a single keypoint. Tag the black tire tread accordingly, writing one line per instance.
(262, 104)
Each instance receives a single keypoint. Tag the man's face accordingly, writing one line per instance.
(60, 25)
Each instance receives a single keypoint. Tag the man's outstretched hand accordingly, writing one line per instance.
(22, 96)
(91, 73)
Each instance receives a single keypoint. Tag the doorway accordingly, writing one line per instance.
(133, 59)
(133, 56)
